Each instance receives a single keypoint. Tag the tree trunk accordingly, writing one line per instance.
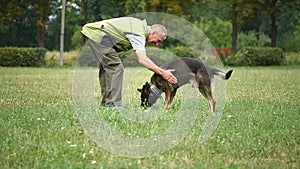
(41, 36)
(234, 30)
(62, 32)
(273, 31)
(273, 25)
(85, 17)
(41, 26)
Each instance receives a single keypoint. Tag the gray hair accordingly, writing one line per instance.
(159, 29)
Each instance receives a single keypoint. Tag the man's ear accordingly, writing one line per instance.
(140, 90)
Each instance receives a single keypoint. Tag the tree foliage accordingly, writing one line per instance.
(37, 23)
(217, 30)
(20, 20)
(273, 9)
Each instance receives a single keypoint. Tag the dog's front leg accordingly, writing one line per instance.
(167, 100)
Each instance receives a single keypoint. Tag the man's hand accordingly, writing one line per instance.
(167, 75)
(144, 60)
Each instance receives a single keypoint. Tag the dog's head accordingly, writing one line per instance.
(148, 96)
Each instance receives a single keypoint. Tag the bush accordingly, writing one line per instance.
(69, 58)
(223, 53)
(183, 51)
(253, 38)
(293, 58)
(257, 56)
(13, 56)
(77, 38)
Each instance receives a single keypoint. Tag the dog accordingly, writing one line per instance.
(187, 70)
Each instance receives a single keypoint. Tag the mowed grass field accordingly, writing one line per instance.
(260, 127)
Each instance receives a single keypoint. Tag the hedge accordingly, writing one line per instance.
(13, 56)
(257, 56)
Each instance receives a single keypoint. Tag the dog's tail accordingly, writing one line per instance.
(223, 75)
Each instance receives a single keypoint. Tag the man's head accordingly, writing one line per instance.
(157, 34)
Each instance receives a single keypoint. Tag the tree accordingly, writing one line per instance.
(62, 32)
(273, 9)
(135, 6)
(37, 23)
(242, 12)
(72, 19)
(289, 29)
(209, 10)
(14, 17)
(217, 30)
(42, 11)
(24, 19)
(178, 7)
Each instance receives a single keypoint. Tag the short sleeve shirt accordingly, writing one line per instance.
(137, 42)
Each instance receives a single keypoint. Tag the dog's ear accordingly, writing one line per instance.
(140, 90)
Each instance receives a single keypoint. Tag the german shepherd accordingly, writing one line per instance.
(187, 70)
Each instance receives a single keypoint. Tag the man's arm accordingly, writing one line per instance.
(145, 61)
(138, 44)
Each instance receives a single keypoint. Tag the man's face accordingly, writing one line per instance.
(154, 38)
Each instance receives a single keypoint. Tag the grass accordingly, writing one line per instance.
(259, 127)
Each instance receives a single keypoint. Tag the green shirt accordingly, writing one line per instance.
(116, 29)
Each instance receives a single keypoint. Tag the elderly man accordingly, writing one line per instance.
(108, 37)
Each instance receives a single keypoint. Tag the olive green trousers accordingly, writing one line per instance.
(111, 72)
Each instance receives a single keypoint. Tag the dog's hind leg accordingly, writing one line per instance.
(207, 93)
(211, 102)
(206, 84)
(212, 84)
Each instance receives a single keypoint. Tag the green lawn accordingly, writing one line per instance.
(260, 127)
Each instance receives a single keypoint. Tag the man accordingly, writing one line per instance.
(108, 37)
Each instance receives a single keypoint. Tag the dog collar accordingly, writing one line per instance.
(155, 90)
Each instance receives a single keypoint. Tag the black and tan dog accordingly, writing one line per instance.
(187, 70)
